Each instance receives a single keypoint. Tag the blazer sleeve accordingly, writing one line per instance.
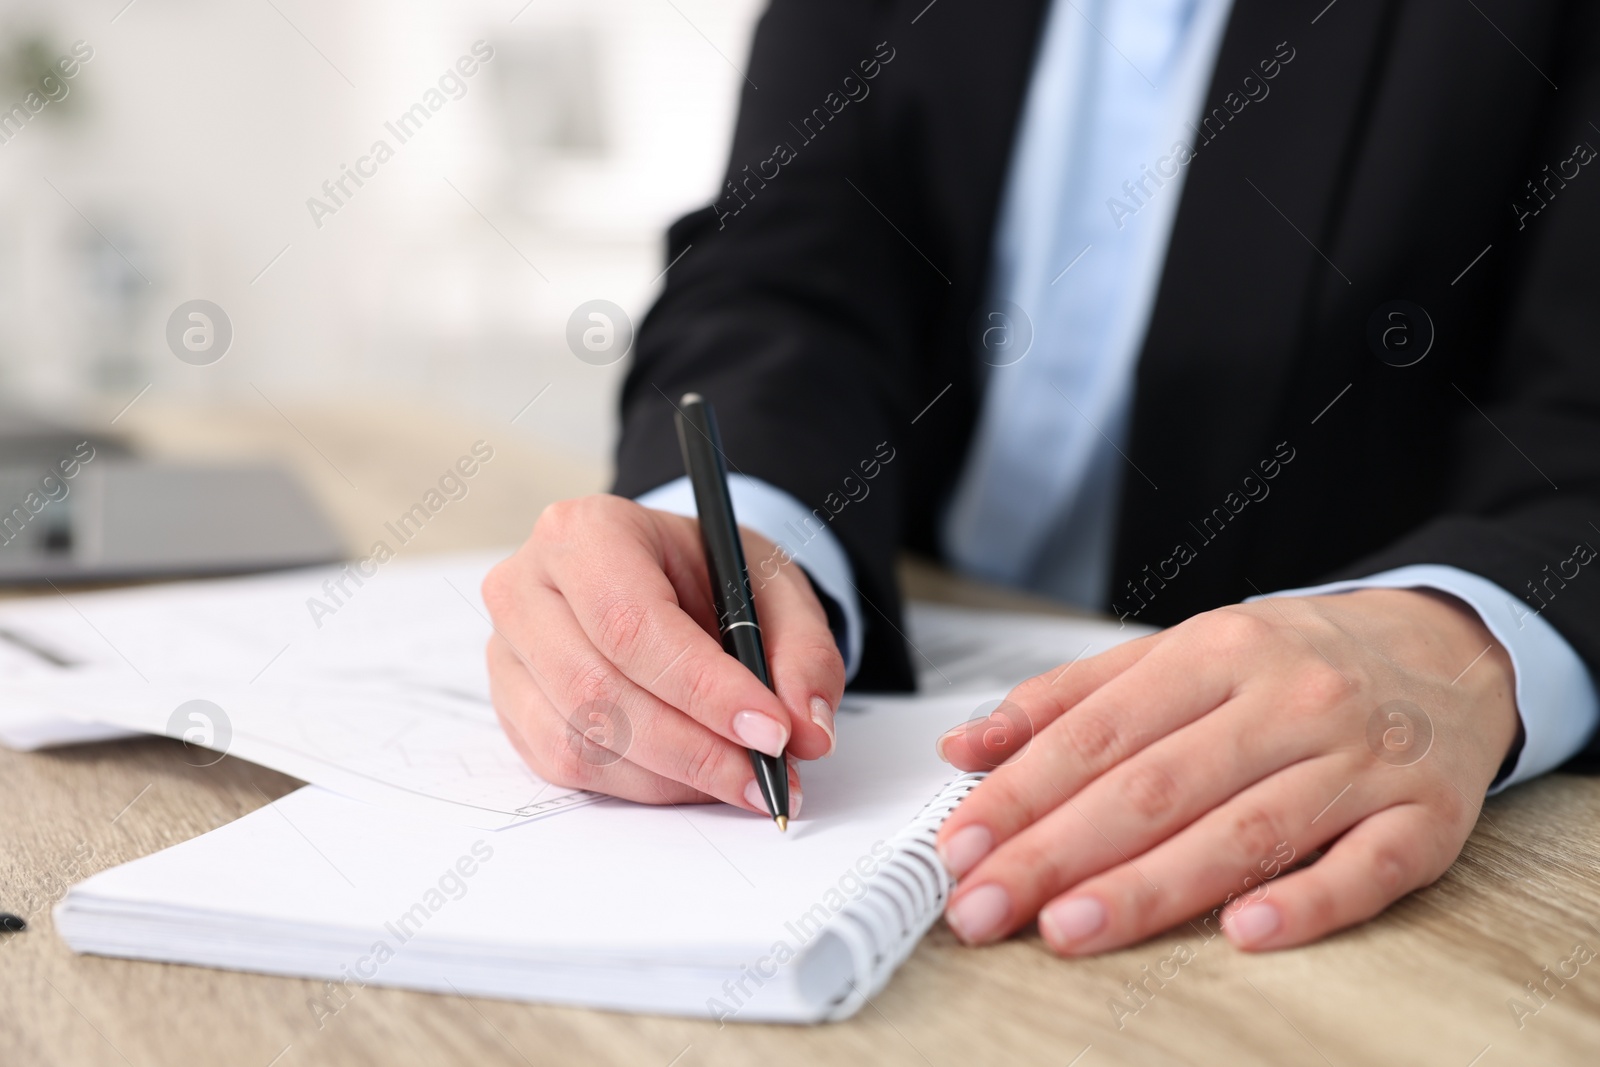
(1524, 509)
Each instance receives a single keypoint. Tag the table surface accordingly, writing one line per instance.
(1433, 981)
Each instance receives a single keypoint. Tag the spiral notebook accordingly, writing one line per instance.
(699, 910)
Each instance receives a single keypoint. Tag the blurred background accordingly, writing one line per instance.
(180, 160)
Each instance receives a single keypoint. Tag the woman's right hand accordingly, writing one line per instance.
(607, 670)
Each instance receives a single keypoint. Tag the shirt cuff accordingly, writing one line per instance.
(794, 528)
(1556, 695)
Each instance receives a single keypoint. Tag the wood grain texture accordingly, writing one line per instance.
(1429, 983)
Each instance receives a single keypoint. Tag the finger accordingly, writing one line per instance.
(802, 655)
(525, 714)
(1147, 798)
(1167, 687)
(1378, 861)
(517, 702)
(629, 611)
(803, 660)
(1228, 853)
(796, 794)
(589, 715)
(983, 744)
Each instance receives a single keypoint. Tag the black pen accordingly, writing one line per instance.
(731, 594)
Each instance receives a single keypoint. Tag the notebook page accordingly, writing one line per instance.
(617, 883)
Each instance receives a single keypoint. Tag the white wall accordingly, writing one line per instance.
(194, 136)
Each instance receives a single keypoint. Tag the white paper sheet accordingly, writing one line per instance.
(384, 699)
(437, 754)
(957, 650)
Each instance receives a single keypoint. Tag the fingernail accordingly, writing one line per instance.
(822, 715)
(945, 738)
(1252, 924)
(760, 732)
(977, 917)
(965, 848)
(753, 797)
(1070, 921)
(795, 794)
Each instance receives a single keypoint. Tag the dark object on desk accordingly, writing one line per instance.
(12, 924)
(80, 507)
(731, 594)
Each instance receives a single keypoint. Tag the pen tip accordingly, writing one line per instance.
(783, 822)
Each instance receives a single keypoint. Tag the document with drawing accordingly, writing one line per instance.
(386, 700)
(383, 699)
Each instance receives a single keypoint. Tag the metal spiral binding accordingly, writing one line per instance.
(904, 898)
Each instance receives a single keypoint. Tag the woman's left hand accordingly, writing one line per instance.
(1176, 774)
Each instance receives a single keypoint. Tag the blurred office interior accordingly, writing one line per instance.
(177, 162)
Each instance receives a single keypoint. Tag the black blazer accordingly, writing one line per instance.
(1428, 151)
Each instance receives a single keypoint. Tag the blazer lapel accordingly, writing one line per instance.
(1251, 270)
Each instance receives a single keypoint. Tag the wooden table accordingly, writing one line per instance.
(1428, 983)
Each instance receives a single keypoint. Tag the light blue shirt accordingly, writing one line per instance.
(1086, 216)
